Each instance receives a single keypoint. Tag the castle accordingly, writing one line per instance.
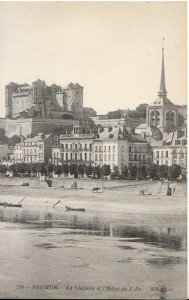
(38, 108)
(41, 101)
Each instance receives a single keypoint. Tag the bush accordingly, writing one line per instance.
(3, 169)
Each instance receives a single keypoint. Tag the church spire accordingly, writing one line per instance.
(162, 92)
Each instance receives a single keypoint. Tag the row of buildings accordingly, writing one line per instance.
(113, 146)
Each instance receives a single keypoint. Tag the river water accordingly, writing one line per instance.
(56, 260)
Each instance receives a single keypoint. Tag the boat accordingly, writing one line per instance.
(75, 209)
(6, 204)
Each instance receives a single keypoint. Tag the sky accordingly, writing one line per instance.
(113, 49)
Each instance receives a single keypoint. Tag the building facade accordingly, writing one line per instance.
(172, 150)
(113, 147)
(34, 150)
(116, 147)
(75, 147)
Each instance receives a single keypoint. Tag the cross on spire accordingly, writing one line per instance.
(162, 92)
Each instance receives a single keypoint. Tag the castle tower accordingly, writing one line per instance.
(9, 90)
(162, 113)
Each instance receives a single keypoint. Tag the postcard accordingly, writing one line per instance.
(93, 150)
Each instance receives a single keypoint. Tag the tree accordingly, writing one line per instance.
(124, 172)
(174, 172)
(116, 114)
(116, 173)
(141, 172)
(20, 168)
(73, 169)
(44, 170)
(89, 170)
(89, 112)
(152, 171)
(132, 172)
(163, 171)
(106, 170)
(81, 170)
(58, 170)
(97, 172)
(65, 169)
(49, 168)
(141, 109)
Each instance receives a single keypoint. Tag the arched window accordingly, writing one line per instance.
(157, 118)
(172, 119)
(168, 119)
(152, 118)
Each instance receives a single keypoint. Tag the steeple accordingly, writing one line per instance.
(162, 92)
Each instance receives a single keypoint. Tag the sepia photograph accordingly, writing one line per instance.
(93, 150)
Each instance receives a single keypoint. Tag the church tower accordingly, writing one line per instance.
(162, 113)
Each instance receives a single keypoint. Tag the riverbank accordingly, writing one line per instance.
(121, 205)
(124, 241)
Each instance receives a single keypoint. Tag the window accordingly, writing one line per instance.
(100, 156)
(96, 156)
(71, 156)
(70, 146)
(139, 157)
(109, 156)
(166, 154)
(113, 157)
(144, 157)
(100, 148)
(109, 148)
(85, 156)
(135, 157)
(81, 156)
(157, 162)
(66, 156)
(130, 156)
(96, 148)
(105, 157)
(113, 148)
(66, 146)
(157, 154)
(75, 146)
(130, 149)
(90, 156)
(105, 148)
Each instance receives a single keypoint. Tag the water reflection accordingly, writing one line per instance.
(93, 226)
